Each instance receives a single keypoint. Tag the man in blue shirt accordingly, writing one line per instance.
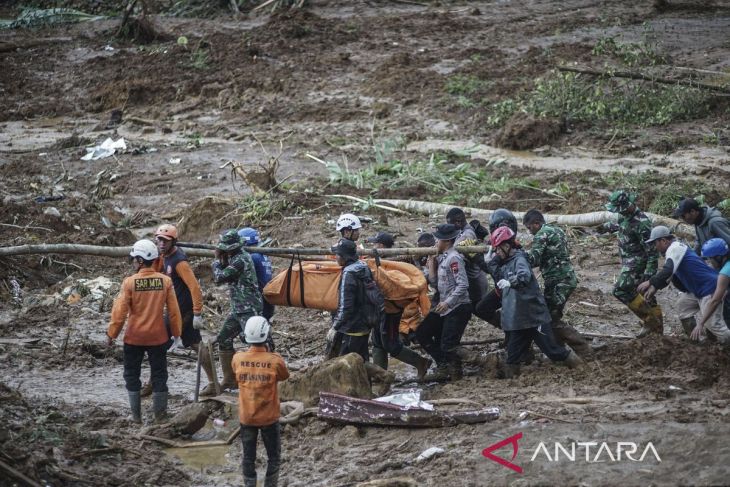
(689, 274)
(250, 238)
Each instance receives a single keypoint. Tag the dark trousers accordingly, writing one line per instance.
(157, 356)
(387, 336)
(190, 336)
(268, 310)
(272, 442)
(441, 335)
(478, 287)
(355, 344)
(487, 307)
(520, 341)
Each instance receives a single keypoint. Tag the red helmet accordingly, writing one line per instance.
(167, 231)
(501, 235)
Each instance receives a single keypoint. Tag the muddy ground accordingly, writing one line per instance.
(342, 81)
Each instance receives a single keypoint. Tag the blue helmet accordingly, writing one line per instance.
(715, 247)
(249, 236)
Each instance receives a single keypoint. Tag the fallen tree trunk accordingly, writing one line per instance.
(591, 219)
(644, 77)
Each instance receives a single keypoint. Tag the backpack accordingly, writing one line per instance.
(373, 307)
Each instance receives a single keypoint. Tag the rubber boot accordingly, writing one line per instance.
(384, 377)
(272, 480)
(648, 315)
(688, 324)
(441, 374)
(656, 320)
(229, 380)
(456, 371)
(249, 481)
(509, 371)
(146, 389)
(380, 358)
(207, 365)
(573, 361)
(408, 356)
(470, 356)
(135, 404)
(568, 335)
(159, 406)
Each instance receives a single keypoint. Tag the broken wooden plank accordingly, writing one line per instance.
(345, 409)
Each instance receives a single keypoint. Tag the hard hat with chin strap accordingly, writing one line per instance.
(348, 220)
(167, 231)
(256, 330)
(145, 249)
(249, 236)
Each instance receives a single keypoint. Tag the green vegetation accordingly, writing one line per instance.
(445, 182)
(605, 101)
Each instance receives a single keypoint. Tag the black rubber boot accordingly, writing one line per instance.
(159, 406)
(410, 357)
(380, 358)
(135, 403)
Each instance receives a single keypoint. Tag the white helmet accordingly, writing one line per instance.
(256, 330)
(348, 220)
(145, 249)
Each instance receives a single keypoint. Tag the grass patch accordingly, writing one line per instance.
(606, 101)
(444, 181)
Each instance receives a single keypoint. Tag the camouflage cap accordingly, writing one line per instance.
(229, 240)
(620, 200)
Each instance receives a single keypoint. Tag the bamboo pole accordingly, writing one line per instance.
(101, 251)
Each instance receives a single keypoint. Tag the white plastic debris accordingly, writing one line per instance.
(174, 160)
(97, 287)
(429, 453)
(409, 399)
(52, 211)
(105, 149)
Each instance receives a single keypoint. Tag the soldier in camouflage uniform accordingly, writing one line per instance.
(550, 253)
(234, 266)
(639, 261)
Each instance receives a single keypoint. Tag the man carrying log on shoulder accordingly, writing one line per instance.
(233, 266)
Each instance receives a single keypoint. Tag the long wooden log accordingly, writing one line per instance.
(644, 77)
(591, 219)
(101, 251)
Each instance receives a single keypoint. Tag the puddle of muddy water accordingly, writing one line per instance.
(198, 458)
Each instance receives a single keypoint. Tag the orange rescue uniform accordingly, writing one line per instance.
(141, 302)
(257, 372)
(187, 275)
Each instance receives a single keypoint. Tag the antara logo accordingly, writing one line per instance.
(592, 451)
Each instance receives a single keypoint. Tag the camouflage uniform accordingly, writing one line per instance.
(550, 252)
(246, 299)
(639, 260)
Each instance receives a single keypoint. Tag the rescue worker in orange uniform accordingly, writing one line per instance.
(257, 372)
(141, 304)
(174, 264)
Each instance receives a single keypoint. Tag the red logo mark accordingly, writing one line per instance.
(487, 452)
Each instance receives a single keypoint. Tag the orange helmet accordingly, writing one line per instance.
(167, 231)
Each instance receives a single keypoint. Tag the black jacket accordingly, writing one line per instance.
(348, 318)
